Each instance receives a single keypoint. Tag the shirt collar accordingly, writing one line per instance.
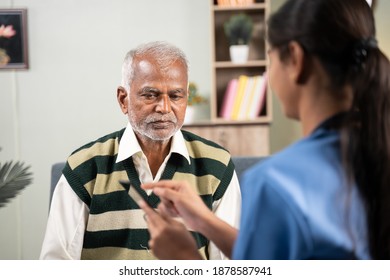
(331, 123)
(129, 146)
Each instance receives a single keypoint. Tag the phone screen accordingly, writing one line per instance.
(134, 193)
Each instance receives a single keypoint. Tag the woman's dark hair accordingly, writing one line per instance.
(341, 34)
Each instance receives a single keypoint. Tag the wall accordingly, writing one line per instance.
(382, 21)
(68, 96)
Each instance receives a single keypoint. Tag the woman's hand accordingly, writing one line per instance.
(169, 238)
(179, 199)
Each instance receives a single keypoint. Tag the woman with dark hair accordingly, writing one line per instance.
(328, 195)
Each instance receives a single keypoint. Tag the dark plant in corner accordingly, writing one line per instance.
(238, 29)
(14, 177)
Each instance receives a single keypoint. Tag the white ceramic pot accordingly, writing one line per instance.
(239, 53)
(190, 115)
(197, 113)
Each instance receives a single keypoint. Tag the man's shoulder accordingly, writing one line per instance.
(106, 145)
(206, 150)
(106, 140)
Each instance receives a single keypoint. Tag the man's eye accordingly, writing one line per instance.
(149, 96)
(176, 97)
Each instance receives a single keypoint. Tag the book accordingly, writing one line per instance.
(223, 2)
(228, 99)
(259, 97)
(250, 105)
(242, 81)
(246, 99)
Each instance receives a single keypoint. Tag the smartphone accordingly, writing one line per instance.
(134, 193)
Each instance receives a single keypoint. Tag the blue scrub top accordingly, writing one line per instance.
(298, 205)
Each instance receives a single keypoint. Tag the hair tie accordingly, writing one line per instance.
(360, 52)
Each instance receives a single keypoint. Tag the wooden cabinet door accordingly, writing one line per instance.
(239, 140)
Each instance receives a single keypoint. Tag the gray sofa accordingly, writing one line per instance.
(241, 164)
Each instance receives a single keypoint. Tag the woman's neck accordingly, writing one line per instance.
(318, 107)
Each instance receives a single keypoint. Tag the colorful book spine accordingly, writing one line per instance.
(242, 81)
(245, 104)
(228, 99)
(256, 81)
(259, 97)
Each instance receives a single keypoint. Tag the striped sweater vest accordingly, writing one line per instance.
(116, 228)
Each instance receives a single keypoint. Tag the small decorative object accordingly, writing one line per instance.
(195, 103)
(238, 30)
(14, 177)
(13, 39)
(194, 97)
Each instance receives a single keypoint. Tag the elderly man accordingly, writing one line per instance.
(92, 215)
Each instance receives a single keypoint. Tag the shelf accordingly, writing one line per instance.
(257, 6)
(220, 121)
(223, 70)
(237, 136)
(229, 64)
(259, 120)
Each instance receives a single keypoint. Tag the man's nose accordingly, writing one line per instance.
(164, 104)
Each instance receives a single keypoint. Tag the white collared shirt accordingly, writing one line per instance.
(69, 214)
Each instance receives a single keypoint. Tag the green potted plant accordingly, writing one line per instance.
(195, 100)
(14, 177)
(238, 29)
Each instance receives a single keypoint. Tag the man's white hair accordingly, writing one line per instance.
(164, 53)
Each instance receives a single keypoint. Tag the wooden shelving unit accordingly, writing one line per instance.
(241, 137)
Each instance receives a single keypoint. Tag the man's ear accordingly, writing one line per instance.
(299, 63)
(122, 98)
